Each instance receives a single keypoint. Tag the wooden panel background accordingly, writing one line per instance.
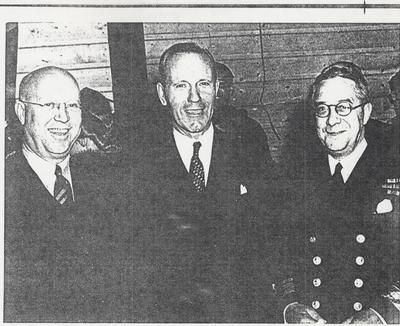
(82, 49)
(293, 56)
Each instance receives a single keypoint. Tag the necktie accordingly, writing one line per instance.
(62, 188)
(337, 176)
(196, 170)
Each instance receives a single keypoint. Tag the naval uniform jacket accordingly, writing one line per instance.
(59, 260)
(345, 254)
(201, 248)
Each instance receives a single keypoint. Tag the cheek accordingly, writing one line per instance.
(39, 119)
(320, 124)
(76, 118)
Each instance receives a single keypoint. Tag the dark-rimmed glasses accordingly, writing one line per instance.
(343, 109)
(52, 105)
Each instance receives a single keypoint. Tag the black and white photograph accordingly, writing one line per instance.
(198, 162)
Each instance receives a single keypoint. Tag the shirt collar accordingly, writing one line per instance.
(348, 162)
(184, 145)
(45, 170)
(205, 138)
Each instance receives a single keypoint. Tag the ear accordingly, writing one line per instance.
(161, 94)
(19, 109)
(367, 112)
(216, 86)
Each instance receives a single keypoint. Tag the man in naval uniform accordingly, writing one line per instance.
(345, 245)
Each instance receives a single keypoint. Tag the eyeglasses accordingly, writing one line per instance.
(52, 105)
(343, 109)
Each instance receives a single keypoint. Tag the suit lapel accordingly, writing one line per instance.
(33, 186)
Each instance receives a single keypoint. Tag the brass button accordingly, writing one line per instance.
(317, 260)
(357, 306)
(358, 282)
(360, 260)
(315, 304)
(317, 282)
(360, 238)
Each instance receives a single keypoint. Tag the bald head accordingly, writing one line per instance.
(49, 110)
(31, 83)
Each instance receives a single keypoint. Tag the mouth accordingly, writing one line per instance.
(59, 132)
(335, 133)
(194, 112)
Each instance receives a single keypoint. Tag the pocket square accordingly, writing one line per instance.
(385, 206)
(243, 189)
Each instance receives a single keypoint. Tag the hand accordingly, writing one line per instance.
(297, 313)
(392, 186)
(367, 316)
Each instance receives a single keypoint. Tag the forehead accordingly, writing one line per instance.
(189, 66)
(336, 89)
(56, 88)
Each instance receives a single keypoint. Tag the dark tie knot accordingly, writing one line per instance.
(338, 169)
(196, 148)
(58, 171)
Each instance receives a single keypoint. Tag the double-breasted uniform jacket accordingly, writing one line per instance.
(60, 261)
(202, 248)
(346, 254)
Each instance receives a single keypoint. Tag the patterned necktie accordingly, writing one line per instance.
(62, 188)
(196, 170)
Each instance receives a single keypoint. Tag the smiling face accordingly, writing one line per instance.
(50, 133)
(189, 91)
(340, 135)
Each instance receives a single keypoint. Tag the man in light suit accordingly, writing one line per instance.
(205, 248)
(53, 224)
(346, 240)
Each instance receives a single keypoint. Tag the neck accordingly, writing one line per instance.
(193, 135)
(25, 147)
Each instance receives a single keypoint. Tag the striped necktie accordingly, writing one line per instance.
(196, 170)
(62, 188)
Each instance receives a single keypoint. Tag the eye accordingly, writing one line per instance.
(322, 110)
(72, 106)
(343, 107)
(204, 83)
(49, 106)
(180, 85)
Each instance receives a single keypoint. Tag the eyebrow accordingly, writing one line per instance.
(340, 101)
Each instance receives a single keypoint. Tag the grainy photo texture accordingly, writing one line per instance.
(188, 172)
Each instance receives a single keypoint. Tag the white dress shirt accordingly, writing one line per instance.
(46, 170)
(348, 162)
(185, 148)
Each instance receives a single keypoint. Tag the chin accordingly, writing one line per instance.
(60, 151)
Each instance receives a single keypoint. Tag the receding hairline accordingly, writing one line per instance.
(182, 49)
(358, 91)
(168, 62)
(32, 80)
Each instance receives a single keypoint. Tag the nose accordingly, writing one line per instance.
(194, 95)
(62, 114)
(333, 117)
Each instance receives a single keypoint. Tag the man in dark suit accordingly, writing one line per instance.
(346, 241)
(55, 251)
(205, 247)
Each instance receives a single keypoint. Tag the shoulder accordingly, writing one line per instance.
(16, 170)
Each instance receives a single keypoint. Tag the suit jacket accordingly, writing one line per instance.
(59, 261)
(202, 250)
(346, 253)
